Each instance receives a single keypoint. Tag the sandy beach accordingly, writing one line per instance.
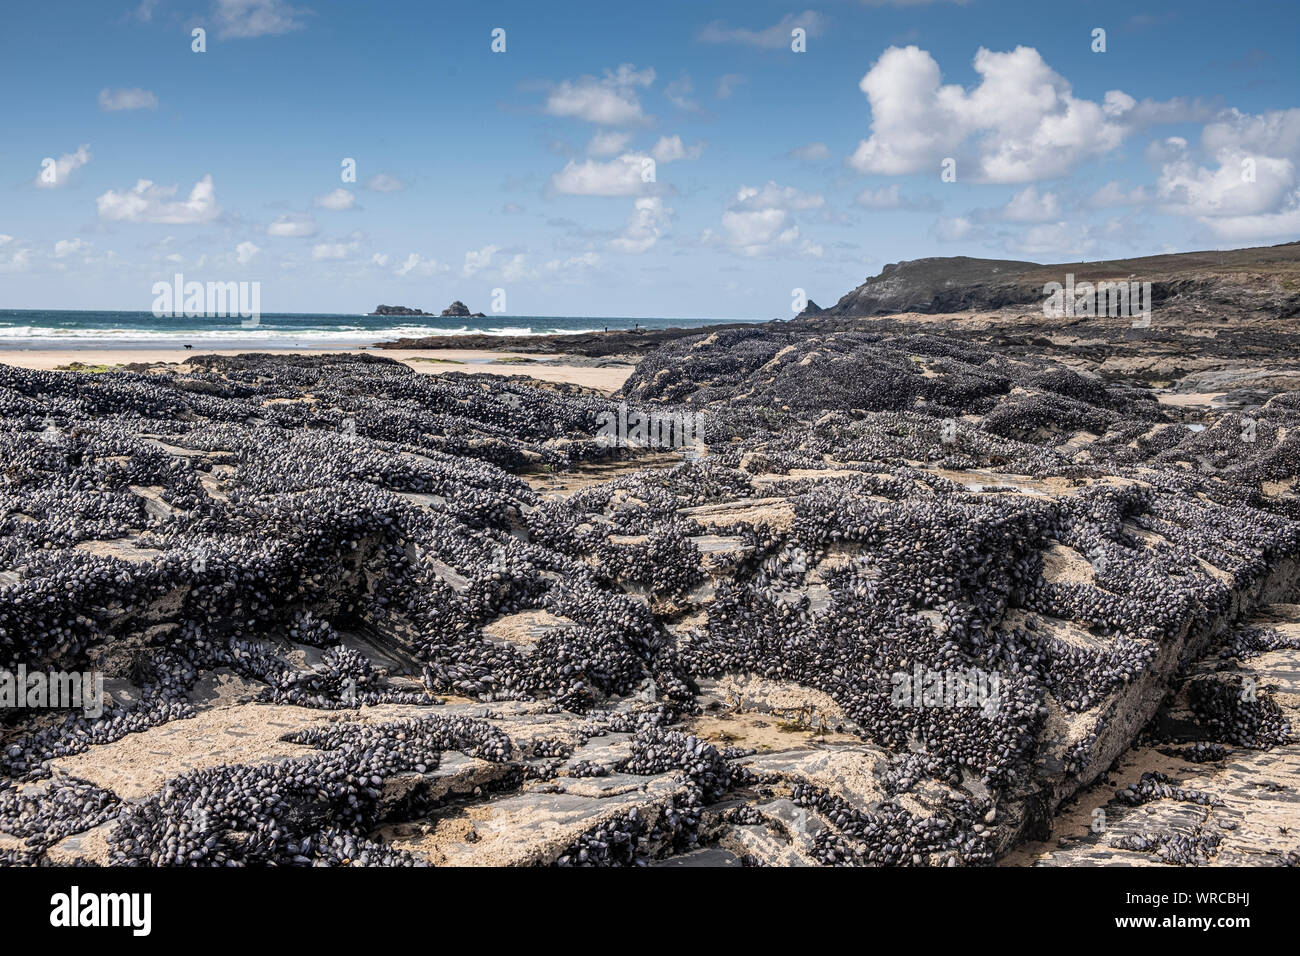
(550, 368)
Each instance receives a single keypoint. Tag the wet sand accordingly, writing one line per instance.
(552, 368)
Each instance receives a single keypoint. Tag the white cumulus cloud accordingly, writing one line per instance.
(643, 228)
(1229, 189)
(148, 202)
(671, 149)
(1275, 133)
(610, 100)
(1281, 224)
(608, 143)
(1242, 183)
(1250, 191)
(416, 265)
(1029, 205)
(759, 223)
(1020, 123)
(292, 226)
(338, 199)
(952, 228)
(627, 175)
(64, 166)
(19, 260)
(476, 260)
(779, 197)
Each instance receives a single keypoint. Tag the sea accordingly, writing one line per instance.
(63, 329)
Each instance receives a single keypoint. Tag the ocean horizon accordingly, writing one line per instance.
(112, 329)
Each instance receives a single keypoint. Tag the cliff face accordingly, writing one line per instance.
(930, 285)
(1264, 280)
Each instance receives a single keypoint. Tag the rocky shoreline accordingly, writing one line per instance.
(1254, 287)
(691, 660)
(913, 596)
(618, 343)
(1239, 282)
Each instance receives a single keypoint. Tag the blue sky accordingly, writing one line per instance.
(669, 159)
